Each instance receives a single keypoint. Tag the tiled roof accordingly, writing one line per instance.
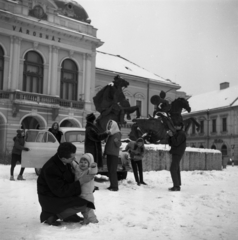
(118, 64)
(216, 99)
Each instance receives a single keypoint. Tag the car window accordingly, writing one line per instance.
(51, 138)
(75, 136)
(41, 137)
(31, 136)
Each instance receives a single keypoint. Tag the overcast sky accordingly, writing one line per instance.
(191, 42)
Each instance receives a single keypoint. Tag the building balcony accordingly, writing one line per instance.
(35, 99)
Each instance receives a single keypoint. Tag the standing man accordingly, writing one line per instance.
(93, 139)
(177, 142)
(58, 192)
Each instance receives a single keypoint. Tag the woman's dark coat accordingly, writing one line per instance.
(57, 133)
(57, 190)
(93, 142)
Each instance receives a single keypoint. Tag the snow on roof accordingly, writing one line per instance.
(216, 99)
(118, 64)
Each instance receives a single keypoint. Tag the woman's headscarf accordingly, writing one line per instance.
(112, 126)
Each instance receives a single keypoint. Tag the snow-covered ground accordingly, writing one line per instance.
(206, 208)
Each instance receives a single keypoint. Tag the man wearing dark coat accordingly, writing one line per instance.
(177, 141)
(93, 139)
(58, 192)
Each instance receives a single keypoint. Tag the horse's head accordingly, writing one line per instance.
(120, 83)
(179, 104)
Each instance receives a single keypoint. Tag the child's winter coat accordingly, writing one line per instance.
(86, 188)
(136, 152)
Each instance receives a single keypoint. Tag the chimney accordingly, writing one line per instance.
(224, 85)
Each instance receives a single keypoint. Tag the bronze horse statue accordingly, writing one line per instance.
(112, 104)
(166, 115)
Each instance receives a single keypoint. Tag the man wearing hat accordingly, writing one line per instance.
(93, 139)
(18, 146)
(177, 141)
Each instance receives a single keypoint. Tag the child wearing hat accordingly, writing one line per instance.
(136, 150)
(86, 165)
(18, 146)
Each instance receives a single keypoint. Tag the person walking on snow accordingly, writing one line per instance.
(18, 147)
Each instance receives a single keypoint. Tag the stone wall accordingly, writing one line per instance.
(157, 158)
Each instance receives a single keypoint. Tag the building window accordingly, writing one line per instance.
(214, 125)
(1, 67)
(139, 104)
(202, 126)
(33, 73)
(224, 124)
(201, 146)
(224, 150)
(213, 147)
(69, 80)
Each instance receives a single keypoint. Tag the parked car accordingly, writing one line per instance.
(43, 145)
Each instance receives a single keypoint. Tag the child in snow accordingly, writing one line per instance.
(136, 150)
(86, 165)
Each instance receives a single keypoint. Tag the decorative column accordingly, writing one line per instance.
(49, 71)
(88, 79)
(20, 76)
(10, 64)
(15, 63)
(93, 75)
(54, 72)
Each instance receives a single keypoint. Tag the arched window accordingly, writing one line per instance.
(224, 150)
(201, 146)
(69, 80)
(213, 147)
(33, 73)
(1, 67)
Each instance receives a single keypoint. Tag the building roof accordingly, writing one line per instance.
(72, 9)
(120, 65)
(215, 99)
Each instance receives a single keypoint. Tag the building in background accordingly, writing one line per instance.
(50, 69)
(217, 113)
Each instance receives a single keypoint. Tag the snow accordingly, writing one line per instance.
(118, 64)
(215, 99)
(166, 147)
(205, 209)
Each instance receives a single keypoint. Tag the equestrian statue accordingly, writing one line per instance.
(166, 115)
(112, 104)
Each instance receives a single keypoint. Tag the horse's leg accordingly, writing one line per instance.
(130, 110)
(187, 124)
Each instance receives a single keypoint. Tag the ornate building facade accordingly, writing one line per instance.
(217, 113)
(50, 69)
